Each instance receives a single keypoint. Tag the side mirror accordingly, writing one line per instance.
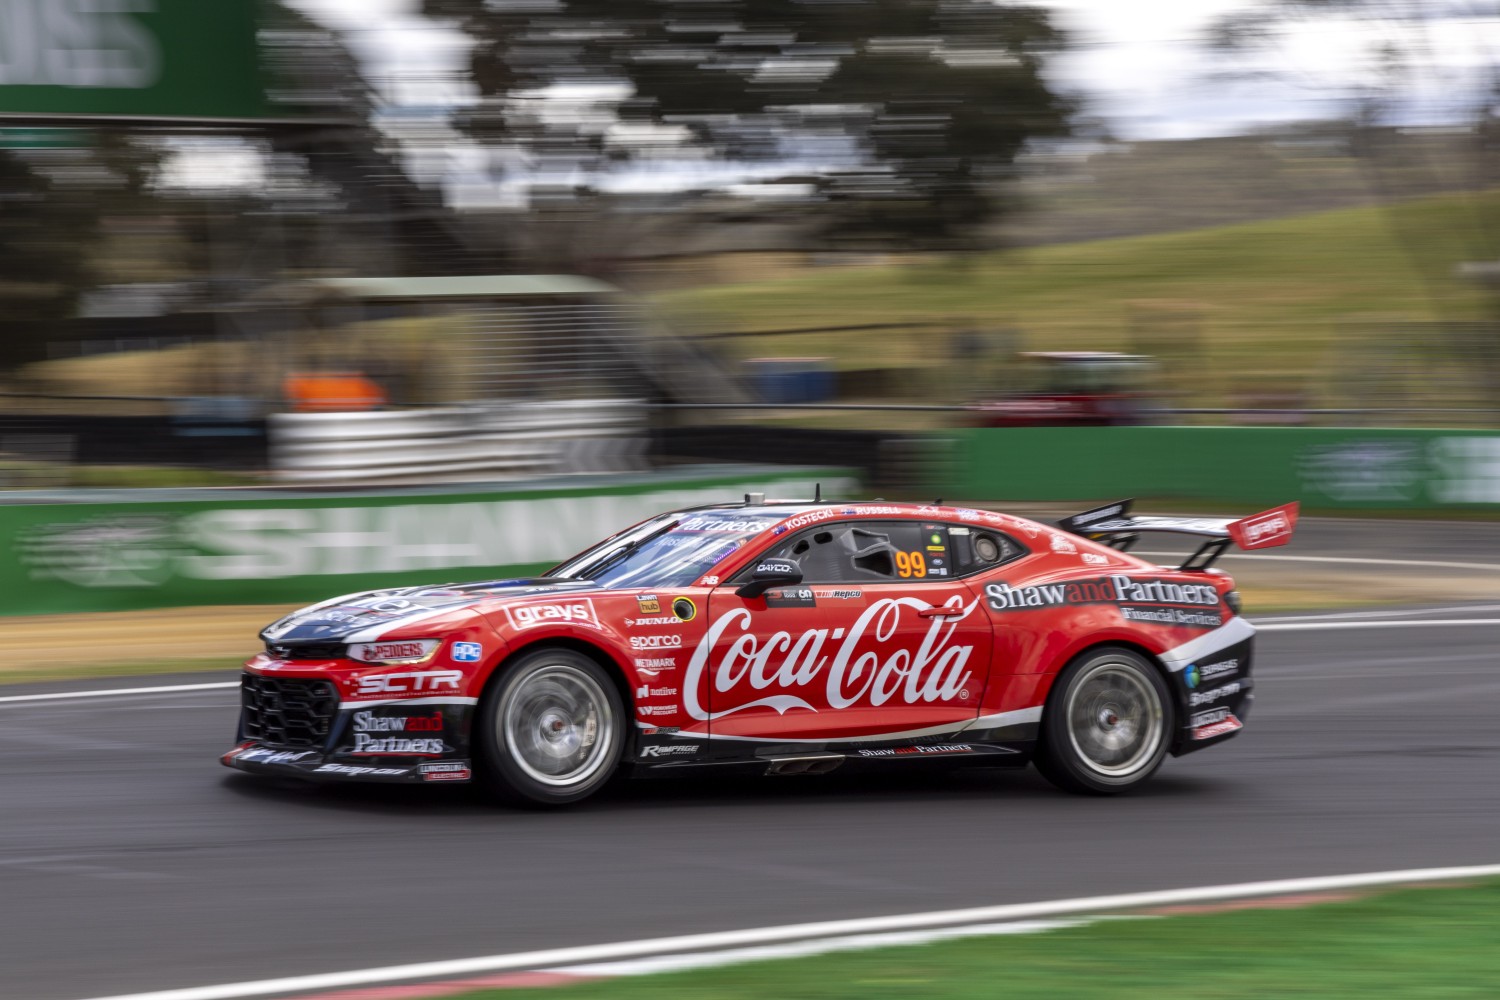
(771, 573)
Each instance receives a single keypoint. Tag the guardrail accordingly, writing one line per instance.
(535, 438)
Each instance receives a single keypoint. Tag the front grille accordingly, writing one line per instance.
(307, 650)
(286, 711)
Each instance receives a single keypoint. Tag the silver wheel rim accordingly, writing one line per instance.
(1115, 719)
(557, 726)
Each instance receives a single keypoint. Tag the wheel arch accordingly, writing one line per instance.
(593, 651)
(1056, 669)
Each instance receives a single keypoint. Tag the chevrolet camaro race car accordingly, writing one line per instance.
(781, 637)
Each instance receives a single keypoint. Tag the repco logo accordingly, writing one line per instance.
(571, 613)
(655, 642)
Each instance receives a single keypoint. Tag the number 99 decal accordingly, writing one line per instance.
(911, 565)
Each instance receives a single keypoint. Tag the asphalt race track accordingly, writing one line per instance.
(130, 860)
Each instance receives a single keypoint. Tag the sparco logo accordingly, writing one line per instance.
(1105, 590)
(369, 746)
(423, 683)
(573, 612)
(854, 674)
(1209, 697)
(655, 642)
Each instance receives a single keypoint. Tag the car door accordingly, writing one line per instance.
(879, 639)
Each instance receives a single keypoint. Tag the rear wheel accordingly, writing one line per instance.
(1108, 723)
(551, 729)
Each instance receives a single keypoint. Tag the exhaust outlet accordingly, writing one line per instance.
(821, 764)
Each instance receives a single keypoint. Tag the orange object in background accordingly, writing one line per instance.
(327, 392)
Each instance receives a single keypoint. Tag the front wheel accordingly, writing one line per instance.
(1107, 724)
(551, 729)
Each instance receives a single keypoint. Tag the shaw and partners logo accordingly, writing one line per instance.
(864, 665)
(1105, 590)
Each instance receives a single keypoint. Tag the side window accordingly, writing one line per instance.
(978, 549)
(871, 552)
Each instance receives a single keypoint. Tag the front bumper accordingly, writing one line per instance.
(299, 726)
(313, 765)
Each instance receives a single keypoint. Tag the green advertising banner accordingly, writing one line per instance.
(238, 548)
(1326, 467)
(138, 59)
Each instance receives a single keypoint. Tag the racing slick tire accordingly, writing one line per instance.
(551, 729)
(1108, 723)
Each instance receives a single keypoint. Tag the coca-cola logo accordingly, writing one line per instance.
(782, 672)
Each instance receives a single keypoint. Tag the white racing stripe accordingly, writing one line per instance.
(1420, 623)
(118, 692)
(722, 940)
(1236, 630)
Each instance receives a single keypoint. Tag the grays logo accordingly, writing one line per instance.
(580, 612)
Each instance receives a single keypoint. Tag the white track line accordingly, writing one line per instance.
(118, 692)
(819, 946)
(554, 957)
(1356, 560)
(1428, 623)
(1396, 613)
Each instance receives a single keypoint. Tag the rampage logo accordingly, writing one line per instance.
(1105, 590)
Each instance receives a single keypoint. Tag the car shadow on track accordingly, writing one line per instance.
(906, 788)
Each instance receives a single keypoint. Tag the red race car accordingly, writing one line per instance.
(776, 637)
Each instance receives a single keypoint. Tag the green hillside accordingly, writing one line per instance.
(1331, 304)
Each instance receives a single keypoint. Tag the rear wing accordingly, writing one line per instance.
(1114, 525)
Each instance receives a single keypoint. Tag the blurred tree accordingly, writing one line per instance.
(906, 114)
(46, 236)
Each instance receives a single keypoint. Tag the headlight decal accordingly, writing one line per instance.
(395, 652)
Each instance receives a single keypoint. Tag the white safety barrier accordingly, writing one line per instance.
(514, 439)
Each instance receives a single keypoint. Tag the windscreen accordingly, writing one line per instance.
(661, 554)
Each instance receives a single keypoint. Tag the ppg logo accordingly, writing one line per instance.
(1191, 675)
(467, 652)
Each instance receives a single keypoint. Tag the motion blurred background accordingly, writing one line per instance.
(399, 267)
